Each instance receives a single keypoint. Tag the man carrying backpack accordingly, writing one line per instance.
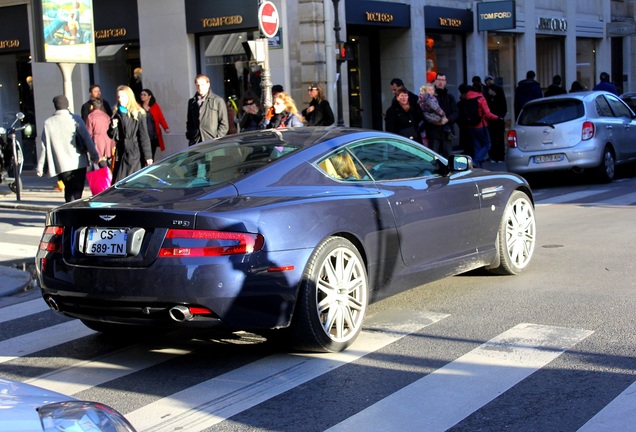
(475, 115)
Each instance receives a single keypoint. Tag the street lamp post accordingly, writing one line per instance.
(339, 61)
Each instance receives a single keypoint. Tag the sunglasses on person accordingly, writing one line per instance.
(311, 88)
(248, 103)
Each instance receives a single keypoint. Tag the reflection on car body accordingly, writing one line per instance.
(294, 231)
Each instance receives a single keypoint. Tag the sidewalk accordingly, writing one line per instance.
(37, 195)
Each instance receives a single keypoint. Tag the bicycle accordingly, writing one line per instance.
(11, 156)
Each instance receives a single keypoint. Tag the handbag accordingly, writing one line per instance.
(99, 179)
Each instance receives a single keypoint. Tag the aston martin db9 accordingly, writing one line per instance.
(290, 233)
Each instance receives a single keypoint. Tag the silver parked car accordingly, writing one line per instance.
(577, 131)
(24, 407)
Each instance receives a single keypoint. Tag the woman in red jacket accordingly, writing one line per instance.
(149, 103)
(479, 131)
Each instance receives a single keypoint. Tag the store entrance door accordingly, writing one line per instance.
(365, 95)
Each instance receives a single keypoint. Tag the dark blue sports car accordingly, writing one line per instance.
(294, 231)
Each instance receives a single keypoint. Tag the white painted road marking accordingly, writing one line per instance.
(616, 415)
(445, 397)
(215, 400)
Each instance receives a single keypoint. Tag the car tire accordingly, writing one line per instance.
(606, 171)
(332, 299)
(516, 237)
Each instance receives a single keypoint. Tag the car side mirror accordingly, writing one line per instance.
(460, 163)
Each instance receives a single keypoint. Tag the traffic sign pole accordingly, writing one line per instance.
(269, 23)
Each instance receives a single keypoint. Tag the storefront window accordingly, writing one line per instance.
(585, 64)
(550, 59)
(224, 60)
(445, 53)
(501, 64)
(115, 66)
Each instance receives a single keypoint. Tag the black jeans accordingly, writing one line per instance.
(74, 182)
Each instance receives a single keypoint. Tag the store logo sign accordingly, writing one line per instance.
(554, 24)
(379, 17)
(222, 21)
(110, 33)
(12, 43)
(450, 22)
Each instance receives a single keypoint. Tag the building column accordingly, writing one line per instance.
(168, 64)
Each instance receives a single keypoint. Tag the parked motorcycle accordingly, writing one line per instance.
(11, 156)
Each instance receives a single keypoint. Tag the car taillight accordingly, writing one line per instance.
(52, 239)
(512, 139)
(588, 131)
(202, 243)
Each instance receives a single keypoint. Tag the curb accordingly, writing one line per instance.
(26, 206)
(14, 280)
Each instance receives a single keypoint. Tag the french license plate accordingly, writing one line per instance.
(549, 158)
(106, 241)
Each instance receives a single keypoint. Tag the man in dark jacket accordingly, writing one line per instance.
(440, 137)
(95, 94)
(527, 90)
(555, 88)
(497, 104)
(605, 84)
(396, 85)
(207, 114)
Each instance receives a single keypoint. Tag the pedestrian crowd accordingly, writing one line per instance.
(118, 142)
(125, 139)
(479, 112)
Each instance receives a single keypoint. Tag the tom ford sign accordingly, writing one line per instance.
(499, 15)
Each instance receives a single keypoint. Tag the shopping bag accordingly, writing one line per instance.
(99, 179)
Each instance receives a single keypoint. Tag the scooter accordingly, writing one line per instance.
(11, 156)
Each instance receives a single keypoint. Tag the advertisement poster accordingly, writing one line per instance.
(68, 31)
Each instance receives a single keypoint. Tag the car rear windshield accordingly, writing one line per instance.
(551, 112)
(207, 165)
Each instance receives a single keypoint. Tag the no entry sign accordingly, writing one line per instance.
(268, 19)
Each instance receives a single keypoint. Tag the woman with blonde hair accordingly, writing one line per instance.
(319, 112)
(286, 114)
(129, 130)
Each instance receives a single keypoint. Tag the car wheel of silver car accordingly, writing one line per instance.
(607, 169)
(333, 298)
(517, 235)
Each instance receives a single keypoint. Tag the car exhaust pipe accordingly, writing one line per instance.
(50, 301)
(181, 313)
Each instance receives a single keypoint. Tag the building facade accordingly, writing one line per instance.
(174, 40)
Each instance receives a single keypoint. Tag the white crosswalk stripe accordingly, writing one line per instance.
(18, 250)
(450, 394)
(441, 399)
(570, 197)
(620, 412)
(211, 402)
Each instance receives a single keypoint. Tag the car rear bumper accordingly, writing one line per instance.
(246, 292)
(583, 156)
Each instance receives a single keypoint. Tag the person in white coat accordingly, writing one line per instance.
(65, 143)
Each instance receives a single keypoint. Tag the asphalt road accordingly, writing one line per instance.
(551, 349)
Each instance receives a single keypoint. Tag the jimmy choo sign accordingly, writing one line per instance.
(554, 24)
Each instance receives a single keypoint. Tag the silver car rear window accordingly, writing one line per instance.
(551, 112)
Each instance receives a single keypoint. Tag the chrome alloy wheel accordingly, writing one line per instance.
(341, 294)
(520, 231)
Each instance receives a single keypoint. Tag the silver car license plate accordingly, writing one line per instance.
(106, 241)
(549, 158)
